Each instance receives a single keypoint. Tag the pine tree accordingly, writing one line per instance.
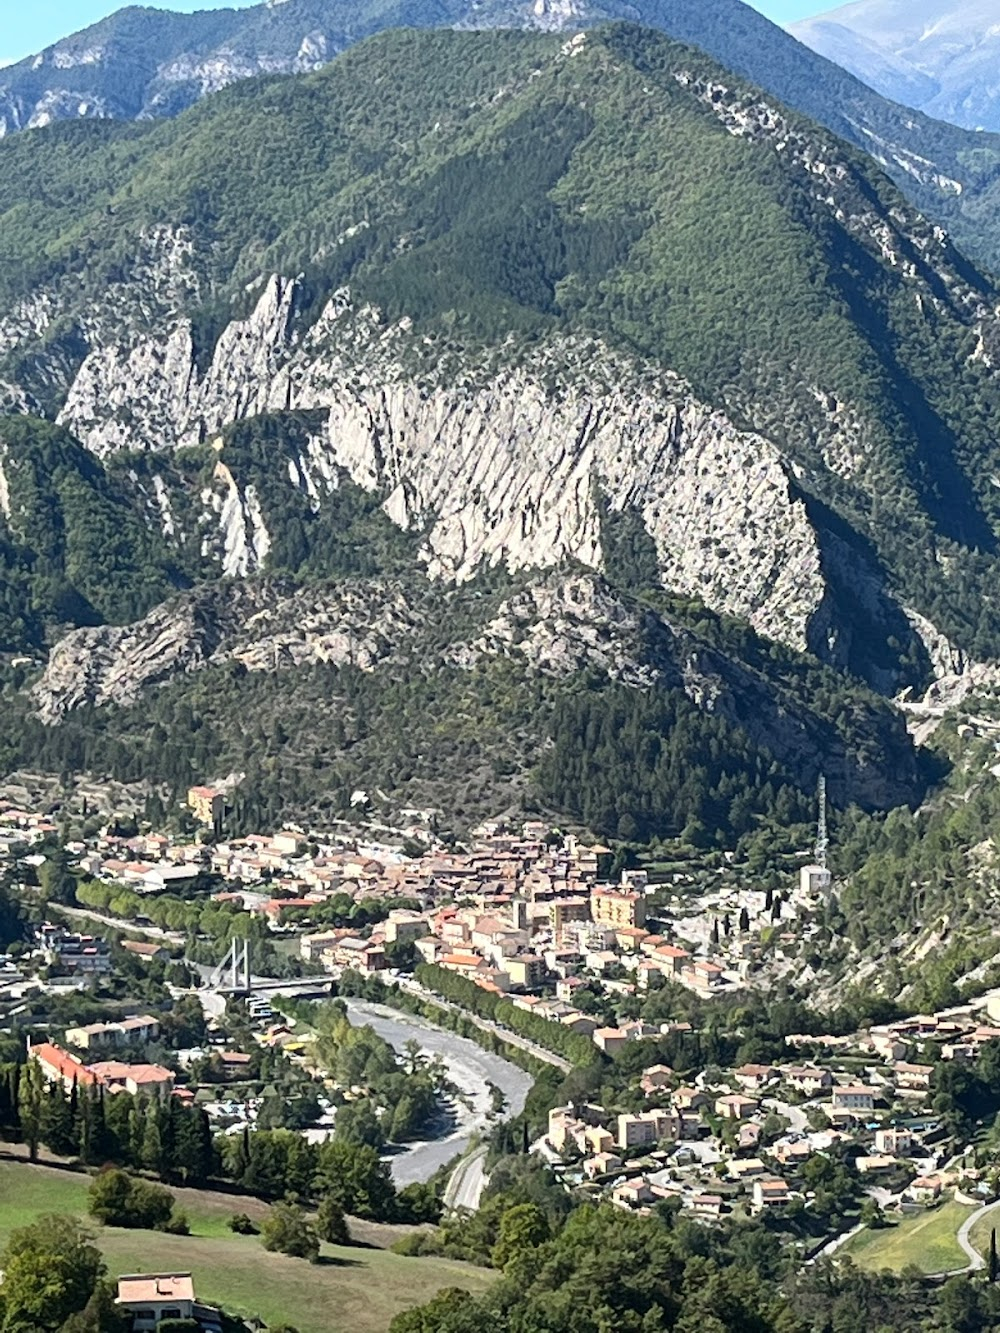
(15, 1105)
(151, 1150)
(241, 1163)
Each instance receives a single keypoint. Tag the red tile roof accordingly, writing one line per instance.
(62, 1063)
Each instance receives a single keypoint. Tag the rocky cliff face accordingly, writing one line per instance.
(500, 469)
(503, 450)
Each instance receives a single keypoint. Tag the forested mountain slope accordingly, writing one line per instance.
(534, 277)
(478, 306)
(141, 63)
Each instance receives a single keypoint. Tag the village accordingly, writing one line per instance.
(531, 917)
(748, 1139)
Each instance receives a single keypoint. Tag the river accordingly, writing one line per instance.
(470, 1068)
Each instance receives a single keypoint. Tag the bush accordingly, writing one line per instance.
(243, 1225)
(119, 1200)
(285, 1230)
(176, 1224)
(418, 1203)
(413, 1245)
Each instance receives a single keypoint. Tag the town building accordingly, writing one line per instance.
(146, 950)
(617, 907)
(207, 804)
(815, 881)
(153, 1298)
(151, 1080)
(853, 1098)
(128, 1031)
(769, 1194)
(646, 1127)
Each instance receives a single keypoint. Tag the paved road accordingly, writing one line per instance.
(119, 923)
(470, 1069)
(796, 1117)
(465, 1188)
(976, 1260)
(832, 1246)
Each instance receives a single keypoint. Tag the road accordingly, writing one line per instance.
(468, 1180)
(832, 1246)
(798, 1122)
(119, 923)
(976, 1260)
(470, 1069)
(484, 1024)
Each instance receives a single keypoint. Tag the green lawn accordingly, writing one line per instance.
(926, 1240)
(354, 1289)
(980, 1233)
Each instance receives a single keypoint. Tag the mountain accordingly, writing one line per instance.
(142, 63)
(506, 389)
(937, 55)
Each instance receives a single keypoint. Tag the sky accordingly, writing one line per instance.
(27, 28)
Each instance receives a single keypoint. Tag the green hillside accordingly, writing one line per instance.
(488, 183)
(155, 64)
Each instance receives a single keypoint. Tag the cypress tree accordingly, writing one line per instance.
(993, 1264)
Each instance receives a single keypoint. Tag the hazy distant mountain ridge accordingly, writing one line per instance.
(939, 56)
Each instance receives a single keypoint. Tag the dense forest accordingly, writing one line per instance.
(74, 547)
(639, 766)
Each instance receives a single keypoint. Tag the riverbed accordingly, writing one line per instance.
(470, 1069)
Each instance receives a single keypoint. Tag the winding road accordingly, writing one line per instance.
(976, 1260)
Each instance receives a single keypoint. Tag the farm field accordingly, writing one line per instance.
(354, 1289)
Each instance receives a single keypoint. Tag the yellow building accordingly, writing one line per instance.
(206, 804)
(618, 908)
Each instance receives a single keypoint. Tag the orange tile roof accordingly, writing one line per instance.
(145, 1287)
(65, 1065)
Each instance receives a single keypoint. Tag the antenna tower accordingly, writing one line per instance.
(822, 839)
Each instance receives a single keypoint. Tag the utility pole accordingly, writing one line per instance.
(822, 839)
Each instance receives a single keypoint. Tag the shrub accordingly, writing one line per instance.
(119, 1200)
(243, 1225)
(331, 1224)
(285, 1230)
(176, 1224)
